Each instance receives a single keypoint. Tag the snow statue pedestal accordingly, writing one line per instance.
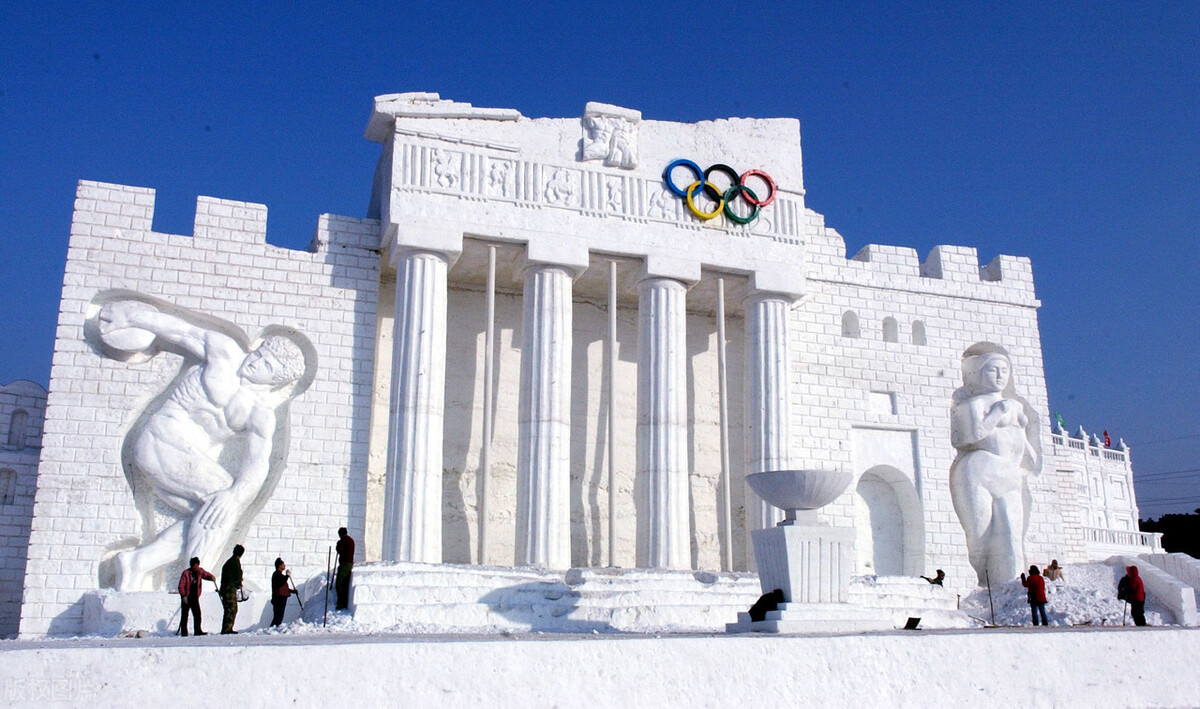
(810, 564)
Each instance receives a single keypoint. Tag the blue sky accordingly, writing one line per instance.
(1065, 132)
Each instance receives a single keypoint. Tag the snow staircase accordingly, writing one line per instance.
(901, 592)
(1186, 570)
(1183, 567)
(874, 603)
(410, 597)
(1176, 595)
(425, 598)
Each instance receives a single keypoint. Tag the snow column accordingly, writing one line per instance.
(768, 392)
(662, 453)
(412, 524)
(543, 454)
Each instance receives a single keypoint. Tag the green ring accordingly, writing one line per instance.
(732, 192)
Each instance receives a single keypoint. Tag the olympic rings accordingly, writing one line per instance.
(723, 200)
(723, 203)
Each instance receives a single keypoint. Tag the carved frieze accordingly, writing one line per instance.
(483, 175)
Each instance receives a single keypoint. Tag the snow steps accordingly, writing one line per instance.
(415, 597)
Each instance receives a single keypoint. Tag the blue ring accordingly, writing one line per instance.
(681, 162)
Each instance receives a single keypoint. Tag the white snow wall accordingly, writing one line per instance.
(84, 509)
(979, 668)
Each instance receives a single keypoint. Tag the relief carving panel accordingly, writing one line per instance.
(205, 454)
(610, 134)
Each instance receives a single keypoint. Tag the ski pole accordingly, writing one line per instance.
(178, 610)
(328, 576)
(988, 579)
(293, 583)
(1123, 613)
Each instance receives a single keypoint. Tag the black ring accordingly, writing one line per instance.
(734, 177)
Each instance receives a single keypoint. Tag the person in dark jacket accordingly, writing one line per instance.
(189, 595)
(231, 584)
(345, 566)
(1131, 589)
(280, 592)
(1037, 595)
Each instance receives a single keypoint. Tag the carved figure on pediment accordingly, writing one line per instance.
(560, 188)
(612, 139)
(207, 451)
(446, 168)
(661, 205)
(615, 195)
(996, 434)
(499, 174)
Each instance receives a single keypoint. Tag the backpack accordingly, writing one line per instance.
(1123, 589)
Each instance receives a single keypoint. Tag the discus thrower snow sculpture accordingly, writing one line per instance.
(207, 451)
(996, 434)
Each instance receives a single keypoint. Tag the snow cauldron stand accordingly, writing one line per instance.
(809, 563)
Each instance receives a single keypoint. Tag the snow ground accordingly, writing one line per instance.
(1086, 595)
(1095, 667)
(304, 663)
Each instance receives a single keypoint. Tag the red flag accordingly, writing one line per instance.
(1107, 440)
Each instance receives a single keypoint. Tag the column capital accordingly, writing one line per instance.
(683, 270)
(573, 270)
(774, 284)
(416, 236)
(760, 296)
(563, 253)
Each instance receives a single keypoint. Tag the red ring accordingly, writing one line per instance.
(766, 178)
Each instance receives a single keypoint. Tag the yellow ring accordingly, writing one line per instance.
(695, 210)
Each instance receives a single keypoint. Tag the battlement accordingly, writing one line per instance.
(105, 209)
(955, 270)
(1081, 440)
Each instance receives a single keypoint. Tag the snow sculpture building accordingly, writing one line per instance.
(22, 411)
(546, 347)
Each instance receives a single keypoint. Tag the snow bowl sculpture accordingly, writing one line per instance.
(805, 566)
(792, 490)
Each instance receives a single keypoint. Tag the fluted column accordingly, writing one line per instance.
(768, 392)
(412, 524)
(543, 454)
(662, 419)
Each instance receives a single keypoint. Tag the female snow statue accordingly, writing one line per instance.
(996, 435)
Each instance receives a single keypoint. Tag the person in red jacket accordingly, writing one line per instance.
(1133, 590)
(189, 595)
(1037, 595)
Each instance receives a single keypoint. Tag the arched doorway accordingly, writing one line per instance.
(890, 538)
